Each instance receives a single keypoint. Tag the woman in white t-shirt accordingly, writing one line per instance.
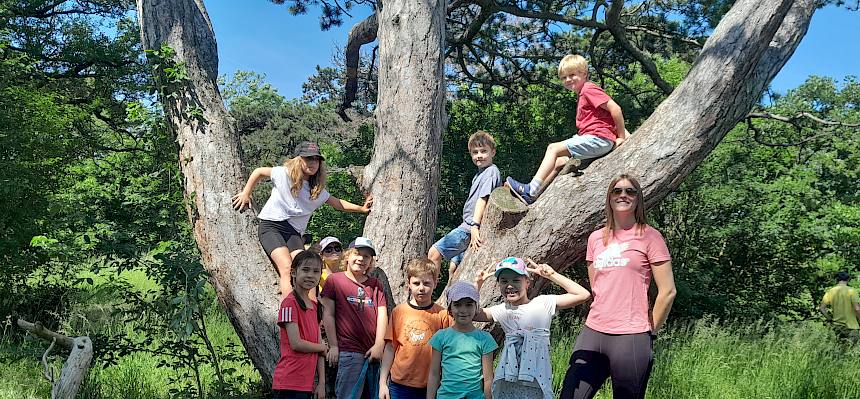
(299, 189)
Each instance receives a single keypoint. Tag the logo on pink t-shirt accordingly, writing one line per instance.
(612, 257)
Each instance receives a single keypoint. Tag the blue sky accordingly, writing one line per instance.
(257, 35)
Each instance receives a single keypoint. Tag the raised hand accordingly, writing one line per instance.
(241, 201)
(483, 275)
(368, 202)
(544, 270)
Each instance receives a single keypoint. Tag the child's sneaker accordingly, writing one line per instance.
(520, 190)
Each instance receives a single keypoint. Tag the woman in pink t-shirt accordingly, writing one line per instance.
(616, 341)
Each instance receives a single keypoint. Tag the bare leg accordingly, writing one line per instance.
(559, 164)
(434, 255)
(283, 262)
(550, 161)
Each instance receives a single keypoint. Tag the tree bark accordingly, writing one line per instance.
(749, 46)
(75, 368)
(403, 174)
(734, 67)
(244, 280)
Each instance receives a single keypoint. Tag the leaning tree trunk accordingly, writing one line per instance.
(244, 280)
(403, 174)
(749, 46)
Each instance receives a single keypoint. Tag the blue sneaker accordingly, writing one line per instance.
(520, 190)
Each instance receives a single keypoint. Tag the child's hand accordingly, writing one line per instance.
(331, 356)
(619, 141)
(483, 275)
(383, 391)
(368, 202)
(544, 270)
(475, 242)
(241, 201)
(320, 391)
(375, 352)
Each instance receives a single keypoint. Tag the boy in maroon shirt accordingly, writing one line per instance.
(355, 321)
(598, 118)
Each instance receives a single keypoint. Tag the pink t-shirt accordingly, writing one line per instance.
(622, 273)
(590, 118)
(295, 370)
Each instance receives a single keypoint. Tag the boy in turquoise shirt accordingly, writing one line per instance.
(462, 354)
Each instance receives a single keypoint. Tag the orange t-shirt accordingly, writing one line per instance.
(409, 332)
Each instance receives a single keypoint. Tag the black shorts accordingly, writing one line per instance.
(274, 235)
(288, 394)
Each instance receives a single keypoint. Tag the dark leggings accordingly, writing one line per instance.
(627, 358)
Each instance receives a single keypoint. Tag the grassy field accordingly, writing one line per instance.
(702, 359)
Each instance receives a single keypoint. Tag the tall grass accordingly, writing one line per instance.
(707, 359)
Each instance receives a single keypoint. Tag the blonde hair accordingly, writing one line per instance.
(316, 182)
(351, 251)
(421, 267)
(481, 138)
(573, 63)
(638, 210)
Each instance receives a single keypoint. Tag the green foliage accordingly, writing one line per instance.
(760, 229)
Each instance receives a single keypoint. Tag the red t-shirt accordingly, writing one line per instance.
(590, 118)
(295, 370)
(356, 307)
(622, 273)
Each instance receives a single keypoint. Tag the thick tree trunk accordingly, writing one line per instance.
(244, 280)
(403, 173)
(749, 46)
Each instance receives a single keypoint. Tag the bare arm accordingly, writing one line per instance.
(665, 294)
(576, 293)
(385, 369)
(480, 206)
(346, 206)
(617, 117)
(483, 314)
(856, 309)
(300, 345)
(823, 309)
(487, 369)
(320, 388)
(329, 325)
(375, 352)
(243, 199)
(435, 375)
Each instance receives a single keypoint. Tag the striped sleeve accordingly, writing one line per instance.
(288, 311)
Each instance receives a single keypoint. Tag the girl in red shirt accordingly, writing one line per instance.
(301, 341)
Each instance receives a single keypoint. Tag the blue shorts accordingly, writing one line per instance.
(398, 391)
(454, 244)
(588, 146)
(352, 381)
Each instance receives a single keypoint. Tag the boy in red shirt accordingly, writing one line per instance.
(598, 118)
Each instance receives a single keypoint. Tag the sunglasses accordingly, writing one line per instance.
(331, 250)
(626, 190)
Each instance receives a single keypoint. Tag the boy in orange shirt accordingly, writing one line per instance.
(407, 350)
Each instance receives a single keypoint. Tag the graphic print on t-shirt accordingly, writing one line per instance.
(360, 299)
(612, 257)
(419, 331)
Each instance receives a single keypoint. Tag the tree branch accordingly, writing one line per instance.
(362, 33)
(616, 28)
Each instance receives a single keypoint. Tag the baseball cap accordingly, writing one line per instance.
(328, 241)
(461, 290)
(307, 149)
(362, 242)
(511, 263)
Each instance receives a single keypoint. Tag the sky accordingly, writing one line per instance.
(260, 36)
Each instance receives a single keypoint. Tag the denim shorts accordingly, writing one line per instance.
(454, 244)
(351, 384)
(587, 146)
(398, 391)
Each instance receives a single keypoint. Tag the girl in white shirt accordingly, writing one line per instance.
(299, 189)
